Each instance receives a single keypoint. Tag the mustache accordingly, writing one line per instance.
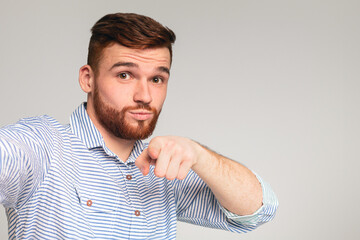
(140, 107)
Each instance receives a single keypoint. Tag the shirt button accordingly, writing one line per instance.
(137, 213)
(89, 203)
(128, 177)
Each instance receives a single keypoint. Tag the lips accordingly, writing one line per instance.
(140, 115)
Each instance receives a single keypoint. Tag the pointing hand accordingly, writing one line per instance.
(172, 157)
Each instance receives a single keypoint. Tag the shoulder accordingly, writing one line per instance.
(41, 127)
(39, 123)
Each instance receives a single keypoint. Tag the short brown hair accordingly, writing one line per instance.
(130, 30)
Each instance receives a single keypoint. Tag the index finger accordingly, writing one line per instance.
(143, 162)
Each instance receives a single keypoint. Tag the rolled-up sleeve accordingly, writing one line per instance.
(196, 204)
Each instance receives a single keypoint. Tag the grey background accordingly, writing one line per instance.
(272, 84)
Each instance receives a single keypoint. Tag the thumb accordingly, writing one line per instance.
(143, 162)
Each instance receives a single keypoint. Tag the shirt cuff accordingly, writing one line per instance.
(264, 214)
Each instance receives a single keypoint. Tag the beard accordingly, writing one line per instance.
(114, 120)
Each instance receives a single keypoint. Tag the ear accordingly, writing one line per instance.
(86, 78)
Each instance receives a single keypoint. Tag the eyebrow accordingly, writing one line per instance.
(134, 65)
(164, 69)
(125, 64)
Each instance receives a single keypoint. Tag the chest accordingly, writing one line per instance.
(98, 196)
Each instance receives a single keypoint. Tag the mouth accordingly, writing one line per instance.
(140, 115)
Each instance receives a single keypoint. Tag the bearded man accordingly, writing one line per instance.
(96, 178)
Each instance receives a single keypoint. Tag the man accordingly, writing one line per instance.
(95, 178)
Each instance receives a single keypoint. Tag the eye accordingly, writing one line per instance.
(157, 80)
(124, 75)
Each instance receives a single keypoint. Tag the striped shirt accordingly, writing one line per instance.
(62, 182)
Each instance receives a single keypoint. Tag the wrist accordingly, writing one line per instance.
(204, 160)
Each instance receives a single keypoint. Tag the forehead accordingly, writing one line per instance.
(151, 56)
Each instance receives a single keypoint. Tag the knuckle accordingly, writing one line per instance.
(156, 139)
(176, 151)
(170, 144)
(179, 149)
(188, 156)
(170, 177)
(180, 177)
(159, 173)
(152, 153)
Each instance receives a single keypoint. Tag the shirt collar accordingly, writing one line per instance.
(84, 128)
(139, 146)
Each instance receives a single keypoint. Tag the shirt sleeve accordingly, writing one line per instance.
(196, 204)
(264, 214)
(23, 160)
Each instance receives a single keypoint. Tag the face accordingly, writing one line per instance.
(129, 90)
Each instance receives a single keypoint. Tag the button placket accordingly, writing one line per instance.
(124, 183)
(139, 210)
(134, 186)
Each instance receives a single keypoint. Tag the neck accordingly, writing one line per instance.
(121, 147)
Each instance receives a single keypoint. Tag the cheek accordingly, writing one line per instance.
(117, 94)
(161, 96)
(116, 97)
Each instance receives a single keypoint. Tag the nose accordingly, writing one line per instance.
(142, 92)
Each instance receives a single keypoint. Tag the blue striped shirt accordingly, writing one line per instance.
(61, 181)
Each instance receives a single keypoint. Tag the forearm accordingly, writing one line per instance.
(236, 188)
